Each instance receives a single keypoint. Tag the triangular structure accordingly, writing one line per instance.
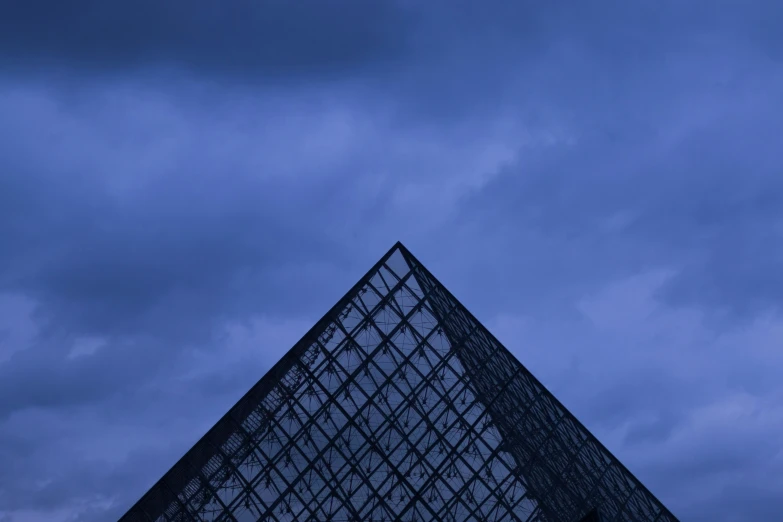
(398, 405)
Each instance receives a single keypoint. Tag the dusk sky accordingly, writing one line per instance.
(186, 186)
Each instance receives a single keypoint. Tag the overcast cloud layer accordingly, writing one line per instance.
(186, 186)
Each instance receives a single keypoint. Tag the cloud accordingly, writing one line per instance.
(270, 39)
(180, 198)
(678, 171)
(209, 212)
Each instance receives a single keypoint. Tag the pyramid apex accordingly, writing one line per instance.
(399, 246)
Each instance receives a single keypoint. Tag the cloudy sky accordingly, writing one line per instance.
(185, 186)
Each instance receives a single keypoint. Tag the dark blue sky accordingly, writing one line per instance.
(186, 186)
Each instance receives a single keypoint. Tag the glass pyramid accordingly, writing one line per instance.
(398, 405)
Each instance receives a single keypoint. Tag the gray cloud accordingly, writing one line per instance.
(686, 181)
(271, 39)
(183, 191)
(109, 251)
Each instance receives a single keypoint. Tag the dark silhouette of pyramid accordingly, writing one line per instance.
(398, 405)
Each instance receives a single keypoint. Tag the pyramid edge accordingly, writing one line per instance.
(414, 263)
(148, 503)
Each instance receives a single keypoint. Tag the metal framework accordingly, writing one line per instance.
(398, 405)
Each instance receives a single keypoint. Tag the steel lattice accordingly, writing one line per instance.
(398, 405)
